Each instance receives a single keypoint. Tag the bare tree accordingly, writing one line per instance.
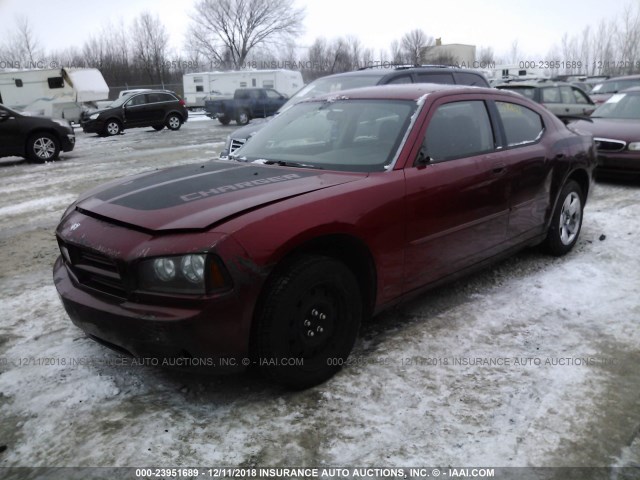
(485, 56)
(629, 38)
(603, 47)
(150, 40)
(226, 31)
(514, 52)
(414, 45)
(397, 55)
(22, 47)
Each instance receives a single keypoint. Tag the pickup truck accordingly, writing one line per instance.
(247, 103)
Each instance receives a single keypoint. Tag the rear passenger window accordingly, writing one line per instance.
(434, 78)
(567, 95)
(459, 129)
(521, 125)
(472, 79)
(550, 95)
(401, 79)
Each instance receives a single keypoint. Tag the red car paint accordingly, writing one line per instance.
(410, 227)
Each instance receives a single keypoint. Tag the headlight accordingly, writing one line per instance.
(634, 146)
(185, 274)
(94, 116)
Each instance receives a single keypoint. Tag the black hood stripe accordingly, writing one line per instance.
(180, 185)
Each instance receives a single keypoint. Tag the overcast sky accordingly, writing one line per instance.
(536, 24)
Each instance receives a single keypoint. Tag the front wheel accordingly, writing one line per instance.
(174, 122)
(242, 118)
(112, 127)
(309, 321)
(566, 221)
(42, 147)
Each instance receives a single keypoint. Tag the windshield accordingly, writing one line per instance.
(351, 135)
(120, 101)
(621, 105)
(614, 86)
(330, 84)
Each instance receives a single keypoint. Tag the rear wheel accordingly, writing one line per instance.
(242, 118)
(174, 122)
(112, 127)
(309, 321)
(566, 221)
(42, 147)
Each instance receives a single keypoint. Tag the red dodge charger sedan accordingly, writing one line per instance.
(338, 208)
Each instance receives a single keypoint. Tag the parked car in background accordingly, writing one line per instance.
(616, 127)
(152, 108)
(38, 139)
(340, 207)
(364, 78)
(563, 99)
(247, 103)
(604, 90)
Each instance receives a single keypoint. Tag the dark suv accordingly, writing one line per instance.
(153, 108)
(38, 139)
(366, 77)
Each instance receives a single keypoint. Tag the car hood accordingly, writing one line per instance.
(196, 197)
(624, 129)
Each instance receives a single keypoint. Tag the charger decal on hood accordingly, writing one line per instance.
(237, 186)
(180, 185)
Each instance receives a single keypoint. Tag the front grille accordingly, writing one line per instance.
(609, 145)
(236, 143)
(93, 269)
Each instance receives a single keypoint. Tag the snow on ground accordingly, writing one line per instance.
(533, 362)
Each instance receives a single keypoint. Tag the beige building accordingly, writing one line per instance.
(456, 53)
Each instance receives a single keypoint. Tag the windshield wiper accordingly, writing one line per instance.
(283, 163)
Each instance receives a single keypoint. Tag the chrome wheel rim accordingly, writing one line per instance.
(44, 148)
(113, 128)
(174, 122)
(244, 118)
(570, 217)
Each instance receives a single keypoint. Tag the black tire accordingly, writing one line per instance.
(157, 128)
(42, 147)
(224, 120)
(566, 221)
(309, 318)
(112, 127)
(242, 118)
(174, 121)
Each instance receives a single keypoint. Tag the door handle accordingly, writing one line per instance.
(499, 168)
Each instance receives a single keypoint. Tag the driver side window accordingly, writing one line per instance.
(137, 100)
(459, 129)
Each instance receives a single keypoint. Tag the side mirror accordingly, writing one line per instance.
(4, 115)
(423, 159)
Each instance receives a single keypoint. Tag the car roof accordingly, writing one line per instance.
(532, 84)
(406, 91)
(622, 77)
(384, 71)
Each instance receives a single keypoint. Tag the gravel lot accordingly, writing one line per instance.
(533, 362)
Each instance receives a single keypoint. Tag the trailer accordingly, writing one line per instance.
(202, 86)
(56, 93)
